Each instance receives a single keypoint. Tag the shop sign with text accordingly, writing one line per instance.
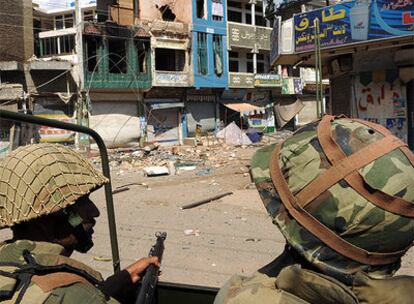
(267, 80)
(354, 22)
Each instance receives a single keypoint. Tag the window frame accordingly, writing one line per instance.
(202, 53)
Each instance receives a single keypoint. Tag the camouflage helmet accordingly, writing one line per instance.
(342, 193)
(41, 179)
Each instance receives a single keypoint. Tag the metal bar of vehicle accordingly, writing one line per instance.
(166, 292)
(105, 167)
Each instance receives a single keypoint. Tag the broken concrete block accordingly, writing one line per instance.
(190, 142)
(156, 171)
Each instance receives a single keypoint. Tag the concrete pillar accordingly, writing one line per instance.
(253, 13)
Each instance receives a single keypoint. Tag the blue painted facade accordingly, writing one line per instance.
(210, 27)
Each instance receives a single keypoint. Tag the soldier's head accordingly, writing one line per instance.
(44, 195)
(341, 192)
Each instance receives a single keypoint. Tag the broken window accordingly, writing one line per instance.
(89, 16)
(217, 10)
(117, 49)
(202, 53)
(234, 16)
(68, 21)
(260, 63)
(233, 61)
(58, 22)
(92, 53)
(166, 13)
(142, 53)
(49, 46)
(218, 54)
(201, 9)
(66, 44)
(169, 60)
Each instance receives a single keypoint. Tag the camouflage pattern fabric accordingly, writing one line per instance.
(41, 179)
(398, 289)
(297, 285)
(340, 208)
(46, 254)
(258, 288)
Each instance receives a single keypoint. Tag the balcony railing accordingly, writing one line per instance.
(117, 81)
(248, 36)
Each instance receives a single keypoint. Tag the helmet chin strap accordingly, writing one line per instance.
(84, 238)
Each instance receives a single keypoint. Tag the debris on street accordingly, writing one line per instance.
(205, 201)
(156, 171)
(194, 232)
(120, 190)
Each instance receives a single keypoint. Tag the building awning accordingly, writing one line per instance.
(242, 107)
(285, 110)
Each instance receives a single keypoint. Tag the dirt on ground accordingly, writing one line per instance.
(205, 245)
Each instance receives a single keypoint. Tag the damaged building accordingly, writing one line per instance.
(28, 84)
(168, 25)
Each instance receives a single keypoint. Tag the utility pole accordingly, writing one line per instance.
(253, 22)
(81, 140)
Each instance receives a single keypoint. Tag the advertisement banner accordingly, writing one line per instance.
(354, 22)
(274, 39)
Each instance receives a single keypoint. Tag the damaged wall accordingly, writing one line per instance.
(151, 10)
(203, 113)
(16, 34)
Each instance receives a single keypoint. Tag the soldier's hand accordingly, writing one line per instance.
(139, 266)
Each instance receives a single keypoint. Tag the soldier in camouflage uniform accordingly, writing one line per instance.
(44, 199)
(341, 191)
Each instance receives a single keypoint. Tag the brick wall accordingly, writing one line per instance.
(16, 30)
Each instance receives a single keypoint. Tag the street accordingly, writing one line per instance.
(230, 235)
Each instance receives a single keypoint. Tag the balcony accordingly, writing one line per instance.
(124, 68)
(248, 36)
(241, 80)
(117, 81)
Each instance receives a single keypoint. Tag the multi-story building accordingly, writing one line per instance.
(29, 84)
(307, 105)
(209, 55)
(248, 44)
(113, 69)
(366, 51)
(168, 26)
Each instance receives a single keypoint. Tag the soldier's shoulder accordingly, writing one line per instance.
(78, 293)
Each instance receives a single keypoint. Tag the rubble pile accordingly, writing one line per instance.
(155, 160)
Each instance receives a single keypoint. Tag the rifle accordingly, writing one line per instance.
(146, 294)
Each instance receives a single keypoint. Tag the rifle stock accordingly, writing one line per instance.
(146, 294)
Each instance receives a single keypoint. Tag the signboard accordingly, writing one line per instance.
(267, 80)
(354, 22)
(263, 38)
(241, 80)
(241, 35)
(169, 78)
(383, 103)
(56, 135)
(292, 85)
(233, 95)
(274, 39)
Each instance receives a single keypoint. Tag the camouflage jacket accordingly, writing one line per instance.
(295, 285)
(57, 287)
